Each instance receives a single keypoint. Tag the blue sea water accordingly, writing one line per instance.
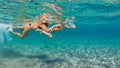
(94, 43)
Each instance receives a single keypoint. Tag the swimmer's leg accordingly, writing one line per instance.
(18, 27)
(25, 32)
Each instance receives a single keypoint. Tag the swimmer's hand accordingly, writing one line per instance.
(43, 32)
(73, 27)
(46, 33)
(38, 30)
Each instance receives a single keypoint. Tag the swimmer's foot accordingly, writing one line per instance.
(10, 29)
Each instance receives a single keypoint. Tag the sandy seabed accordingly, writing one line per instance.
(79, 56)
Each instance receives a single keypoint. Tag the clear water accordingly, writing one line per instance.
(95, 43)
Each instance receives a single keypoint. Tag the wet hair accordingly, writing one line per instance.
(46, 24)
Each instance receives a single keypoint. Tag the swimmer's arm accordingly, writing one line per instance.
(38, 30)
(46, 33)
(69, 26)
(66, 26)
(66, 21)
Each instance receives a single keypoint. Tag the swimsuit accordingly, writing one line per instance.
(46, 24)
(39, 27)
(30, 24)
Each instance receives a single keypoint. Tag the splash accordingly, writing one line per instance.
(71, 22)
(4, 32)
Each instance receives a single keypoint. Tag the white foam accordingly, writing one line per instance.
(4, 32)
(70, 22)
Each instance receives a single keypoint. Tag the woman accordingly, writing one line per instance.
(42, 25)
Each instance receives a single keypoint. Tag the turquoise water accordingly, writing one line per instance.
(95, 43)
